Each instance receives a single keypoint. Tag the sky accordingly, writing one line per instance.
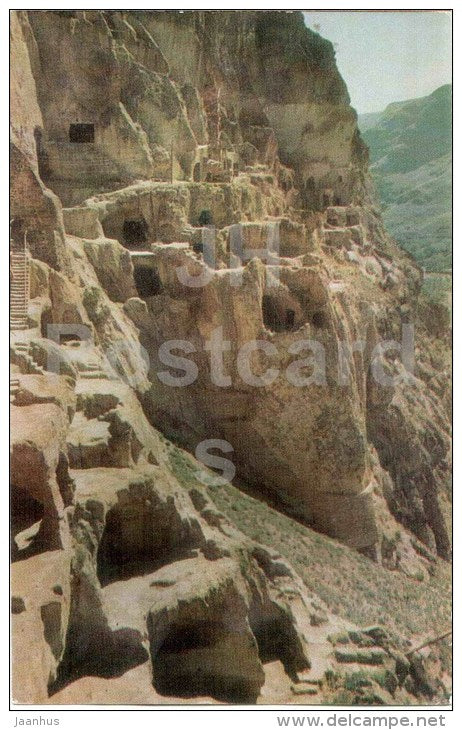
(388, 56)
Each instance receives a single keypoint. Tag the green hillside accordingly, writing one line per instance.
(410, 152)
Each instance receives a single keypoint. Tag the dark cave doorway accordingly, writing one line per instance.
(135, 231)
(147, 281)
(82, 133)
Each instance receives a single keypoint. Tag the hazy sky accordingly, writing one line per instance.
(388, 56)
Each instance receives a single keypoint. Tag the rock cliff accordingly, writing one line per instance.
(195, 184)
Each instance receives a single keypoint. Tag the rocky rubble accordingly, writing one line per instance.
(146, 139)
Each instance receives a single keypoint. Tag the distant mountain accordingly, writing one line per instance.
(410, 152)
(369, 120)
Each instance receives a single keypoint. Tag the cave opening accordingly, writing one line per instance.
(141, 536)
(147, 281)
(135, 231)
(205, 218)
(17, 232)
(319, 320)
(196, 659)
(82, 133)
(198, 248)
(290, 319)
(277, 639)
(197, 172)
(26, 517)
(309, 193)
(275, 316)
(65, 338)
(128, 543)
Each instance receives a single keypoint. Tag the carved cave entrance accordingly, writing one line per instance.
(319, 320)
(147, 281)
(205, 218)
(189, 663)
(141, 536)
(135, 231)
(276, 638)
(197, 172)
(277, 318)
(82, 133)
(290, 319)
(17, 233)
(26, 511)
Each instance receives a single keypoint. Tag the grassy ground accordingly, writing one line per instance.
(411, 164)
(438, 288)
(351, 585)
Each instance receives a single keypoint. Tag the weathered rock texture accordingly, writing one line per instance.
(133, 134)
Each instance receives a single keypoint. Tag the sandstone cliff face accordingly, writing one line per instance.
(134, 133)
(150, 82)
